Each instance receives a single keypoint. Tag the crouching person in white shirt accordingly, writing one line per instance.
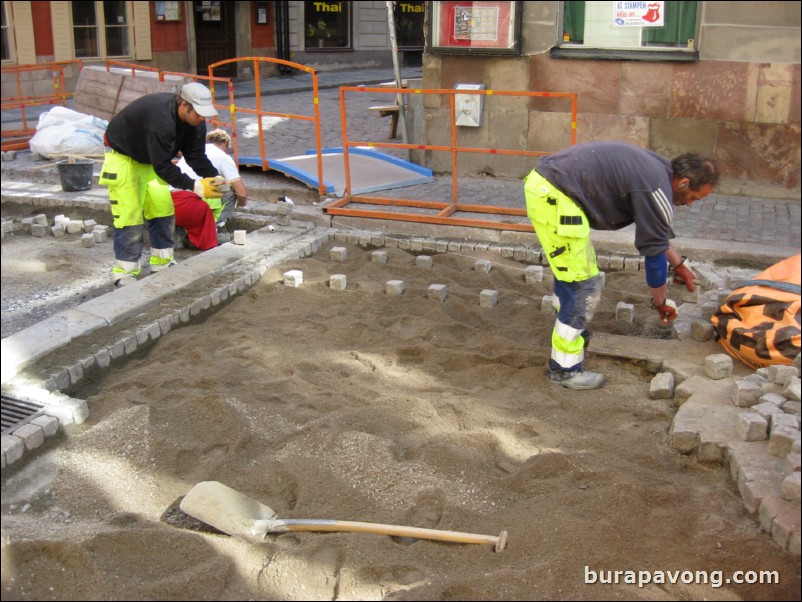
(217, 144)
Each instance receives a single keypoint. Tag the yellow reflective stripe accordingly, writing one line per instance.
(127, 267)
(567, 360)
(160, 259)
(158, 267)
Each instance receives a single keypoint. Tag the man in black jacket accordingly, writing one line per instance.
(142, 140)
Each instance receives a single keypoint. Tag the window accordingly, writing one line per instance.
(629, 25)
(6, 33)
(328, 25)
(409, 23)
(101, 29)
(462, 27)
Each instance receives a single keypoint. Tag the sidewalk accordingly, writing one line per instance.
(722, 224)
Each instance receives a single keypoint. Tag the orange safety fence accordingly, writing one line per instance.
(133, 67)
(17, 138)
(444, 211)
(61, 95)
(260, 113)
(211, 81)
(439, 211)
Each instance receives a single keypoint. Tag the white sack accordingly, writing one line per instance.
(62, 131)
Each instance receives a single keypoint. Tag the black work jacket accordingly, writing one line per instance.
(149, 131)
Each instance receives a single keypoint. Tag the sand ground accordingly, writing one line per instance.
(355, 405)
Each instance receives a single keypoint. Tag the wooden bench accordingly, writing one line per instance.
(391, 111)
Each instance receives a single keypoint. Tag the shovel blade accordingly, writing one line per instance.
(227, 509)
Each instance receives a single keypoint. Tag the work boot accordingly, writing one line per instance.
(223, 235)
(182, 239)
(122, 279)
(581, 380)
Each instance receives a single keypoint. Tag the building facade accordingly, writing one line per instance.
(186, 36)
(721, 78)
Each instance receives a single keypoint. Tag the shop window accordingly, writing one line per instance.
(101, 29)
(409, 23)
(629, 25)
(327, 25)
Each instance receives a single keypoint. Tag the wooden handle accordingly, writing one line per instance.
(286, 525)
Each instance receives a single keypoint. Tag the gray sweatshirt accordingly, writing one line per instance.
(617, 184)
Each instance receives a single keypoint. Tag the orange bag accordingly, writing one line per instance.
(759, 323)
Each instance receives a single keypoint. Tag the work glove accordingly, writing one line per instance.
(209, 188)
(684, 275)
(667, 311)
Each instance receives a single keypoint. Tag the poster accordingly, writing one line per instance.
(639, 14)
(168, 11)
(476, 23)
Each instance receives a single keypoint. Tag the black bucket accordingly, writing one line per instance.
(76, 176)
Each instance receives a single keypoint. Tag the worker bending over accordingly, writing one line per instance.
(142, 141)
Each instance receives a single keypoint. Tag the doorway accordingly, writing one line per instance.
(215, 37)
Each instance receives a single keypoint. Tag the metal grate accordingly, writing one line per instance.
(16, 412)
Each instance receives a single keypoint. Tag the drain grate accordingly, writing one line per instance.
(16, 412)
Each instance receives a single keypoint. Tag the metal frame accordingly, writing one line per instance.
(444, 211)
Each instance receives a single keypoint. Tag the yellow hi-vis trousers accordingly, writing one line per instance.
(564, 233)
(137, 195)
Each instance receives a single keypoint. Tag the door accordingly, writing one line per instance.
(214, 35)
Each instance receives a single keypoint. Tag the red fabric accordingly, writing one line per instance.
(193, 214)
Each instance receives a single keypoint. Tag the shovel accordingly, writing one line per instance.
(236, 514)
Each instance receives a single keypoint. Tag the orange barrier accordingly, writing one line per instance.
(444, 211)
(132, 66)
(259, 112)
(18, 138)
(60, 96)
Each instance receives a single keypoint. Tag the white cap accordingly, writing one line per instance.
(200, 98)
